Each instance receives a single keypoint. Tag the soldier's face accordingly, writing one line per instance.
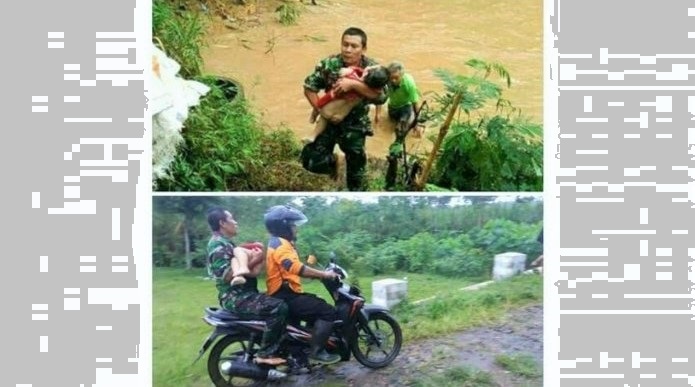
(228, 226)
(351, 49)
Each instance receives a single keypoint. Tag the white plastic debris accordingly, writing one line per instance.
(170, 98)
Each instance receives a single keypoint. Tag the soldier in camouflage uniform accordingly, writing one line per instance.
(351, 132)
(244, 299)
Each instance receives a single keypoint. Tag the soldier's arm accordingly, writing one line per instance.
(312, 97)
(220, 263)
(314, 83)
(256, 262)
(254, 258)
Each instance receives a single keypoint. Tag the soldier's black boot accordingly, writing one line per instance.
(322, 329)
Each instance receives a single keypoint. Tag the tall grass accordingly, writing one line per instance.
(179, 298)
(221, 139)
(459, 310)
(181, 35)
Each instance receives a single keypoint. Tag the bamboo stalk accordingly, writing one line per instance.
(420, 185)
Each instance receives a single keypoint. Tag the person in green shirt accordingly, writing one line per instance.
(403, 98)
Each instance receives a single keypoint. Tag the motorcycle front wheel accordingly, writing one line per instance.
(378, 342)
(229, 349)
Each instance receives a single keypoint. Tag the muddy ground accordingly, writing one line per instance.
(520, 333)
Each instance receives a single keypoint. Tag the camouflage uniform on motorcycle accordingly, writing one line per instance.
(245, 300)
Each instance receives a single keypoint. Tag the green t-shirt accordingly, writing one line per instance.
(404, 94)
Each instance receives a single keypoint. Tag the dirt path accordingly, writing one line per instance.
(521, 332)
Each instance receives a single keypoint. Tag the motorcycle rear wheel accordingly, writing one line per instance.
(216, 359)
(386, 331)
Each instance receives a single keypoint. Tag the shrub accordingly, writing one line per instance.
(221, 140)
(482, 151)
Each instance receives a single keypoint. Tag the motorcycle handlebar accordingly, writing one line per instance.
(341, 274)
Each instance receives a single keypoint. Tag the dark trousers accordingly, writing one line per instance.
(400, 116)
(259, 306)
(306, 306)
(317, 157)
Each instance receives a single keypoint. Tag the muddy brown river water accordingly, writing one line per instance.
(272, 60)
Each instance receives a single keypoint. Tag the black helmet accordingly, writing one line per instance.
(279, 220)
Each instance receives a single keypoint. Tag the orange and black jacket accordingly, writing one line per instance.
(282, 264)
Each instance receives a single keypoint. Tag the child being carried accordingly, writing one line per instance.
(334, 107)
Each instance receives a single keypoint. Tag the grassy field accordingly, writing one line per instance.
(180, 297)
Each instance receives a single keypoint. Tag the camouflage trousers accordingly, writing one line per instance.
(318, 157)
(252, 305)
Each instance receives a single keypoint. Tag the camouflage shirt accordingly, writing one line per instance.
(220, 252)
(324, 77)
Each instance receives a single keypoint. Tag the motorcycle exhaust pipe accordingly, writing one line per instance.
(250, 371)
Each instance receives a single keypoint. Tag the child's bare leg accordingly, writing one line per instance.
(313, 116)
(240, 267)
(321, 124)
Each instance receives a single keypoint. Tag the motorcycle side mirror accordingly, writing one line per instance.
(332, 257)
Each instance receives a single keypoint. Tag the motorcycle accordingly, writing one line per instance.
(361, 329)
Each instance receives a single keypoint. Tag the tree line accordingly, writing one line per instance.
(448, 235)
